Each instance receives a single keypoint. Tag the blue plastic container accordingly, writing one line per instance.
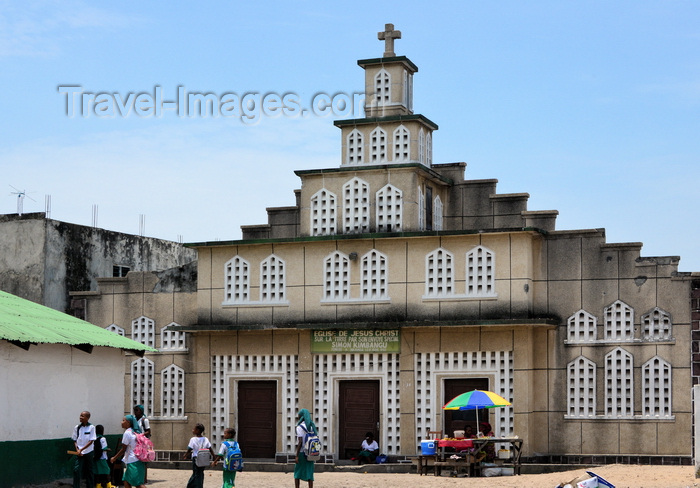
(428, 447)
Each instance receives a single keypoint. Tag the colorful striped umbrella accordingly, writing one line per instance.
(476, 399)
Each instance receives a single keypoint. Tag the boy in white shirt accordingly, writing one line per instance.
(83, 438)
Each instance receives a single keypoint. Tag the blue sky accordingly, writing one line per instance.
(590, 107)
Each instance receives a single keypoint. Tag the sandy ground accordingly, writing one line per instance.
(622, 476)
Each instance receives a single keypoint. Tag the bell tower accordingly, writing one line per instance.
(390, 133)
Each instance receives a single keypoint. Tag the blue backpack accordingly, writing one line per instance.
(233, 459)
(311, 445)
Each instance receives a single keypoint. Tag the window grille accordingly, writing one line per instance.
(355, 206)
(336, 285)
(389, 209)
(582, 327)
(374, 276)
(656, 325)
(323, 221)
(378, 149)
(402, 139)
(619, 322)
(382, 88)
(405, 88)
(143, 331)
(237, 286)
(172, 340)
(656, 377)
(355, 148)
(581, 378)
(410, 92)
(142, 383)
(429, 149)
(619, 384)
(272, 279)
(421, 209)
(172, 384)
(480, 272)
(116, 329)
(439, 274)
(421, 146)
(437, 213)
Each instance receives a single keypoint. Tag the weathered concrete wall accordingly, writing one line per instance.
(22, 256)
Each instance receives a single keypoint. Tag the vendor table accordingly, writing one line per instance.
(465, 447)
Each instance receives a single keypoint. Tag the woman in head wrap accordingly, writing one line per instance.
(134, 472)
(303, 468)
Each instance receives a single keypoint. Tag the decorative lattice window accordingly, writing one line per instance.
(421, 209)
(656, 325)
(336, 283)
(405, 88)
(116, 329)
(382, 88)
(355, 206)
(323, 221)
(237, 280)
(378, 146)
(421, 146)
(437, 213)
(143, 331)
(439, 274)
(619, 384)
(429, 149)
(619, 322)
(480, 272)
(389, 209)
(410, 91)
(582, 327)
(172, 387)
(355, 148)
(272, 280)
(581, 380)
(142, 383)
(374, 276)
(402, 139)
(656, 378)
(172, 340)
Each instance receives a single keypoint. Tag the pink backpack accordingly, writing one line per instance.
(144, 449)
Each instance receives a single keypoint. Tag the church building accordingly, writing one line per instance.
(392, 285)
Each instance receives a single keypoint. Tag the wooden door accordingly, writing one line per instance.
(257, 418)
(358, 413)
(459, 419)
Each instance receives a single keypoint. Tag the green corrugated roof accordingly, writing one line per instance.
(24, 322)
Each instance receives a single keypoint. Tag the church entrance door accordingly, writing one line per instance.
(459, 419)
(257, 418)
(358, 413)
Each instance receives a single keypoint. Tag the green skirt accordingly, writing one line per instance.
(100, 466)
(229, 479)
(135, 473)
(304, 469)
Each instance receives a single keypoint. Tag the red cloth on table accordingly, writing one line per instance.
(458, 445)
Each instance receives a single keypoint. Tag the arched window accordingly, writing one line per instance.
(378, 146)
(421, 146)
(355, 206)
(421, 209)
(172, 340)
(656, 325)
(619, 322)
(429, 149)
(237, 280)
(116, 329)
(355, 148)
(143, 331)
(272, 279)
(323, 220)
(389, 208)
(336, 283)
(580, 377)
(374, 276)
(656, 397)
(437, 213)
(439, 274)
(142, 371)
(402, 139)
(581, 327)
(172, 387)
(481, 281)
(382, 88)
(619, 384)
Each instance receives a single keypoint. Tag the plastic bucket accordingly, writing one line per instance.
(428, 447)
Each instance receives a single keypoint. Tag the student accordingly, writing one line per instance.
(197, 443)
(100, 466)
(370, 450)
(134, 471)
(303, 468)
(83, 438)
(229, 476)
(145, 426)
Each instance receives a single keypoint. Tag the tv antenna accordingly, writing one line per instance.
(21, 194)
